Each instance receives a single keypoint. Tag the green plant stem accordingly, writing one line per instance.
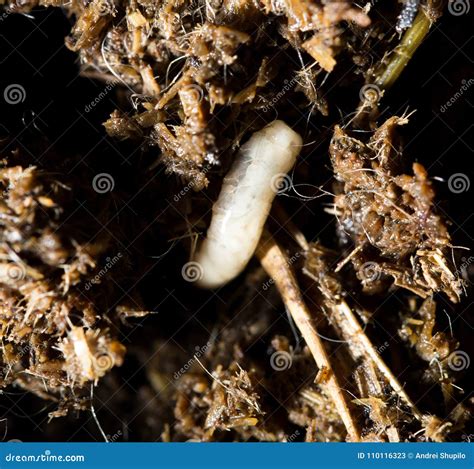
(401, 55)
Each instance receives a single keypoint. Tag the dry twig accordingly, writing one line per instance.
(276, 264)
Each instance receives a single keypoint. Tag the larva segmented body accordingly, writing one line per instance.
(244, 202)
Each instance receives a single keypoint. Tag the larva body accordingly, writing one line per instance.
(244, 202)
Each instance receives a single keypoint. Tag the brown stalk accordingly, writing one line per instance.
(351, 330)
(276, 264)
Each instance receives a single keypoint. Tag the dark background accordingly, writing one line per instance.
(32, 53)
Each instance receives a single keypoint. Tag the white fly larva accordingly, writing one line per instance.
(247, 193)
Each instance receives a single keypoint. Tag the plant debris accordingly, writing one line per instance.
(348, 323)
(390, 216)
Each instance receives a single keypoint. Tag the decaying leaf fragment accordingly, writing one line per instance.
(391, 217)
(47, 280)
(230, 401)
(419, 331)
(194, 62)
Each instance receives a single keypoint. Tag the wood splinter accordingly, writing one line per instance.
(276, 264)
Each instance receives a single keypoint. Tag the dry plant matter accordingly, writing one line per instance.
(347, 325)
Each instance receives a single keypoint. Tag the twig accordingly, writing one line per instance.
(356, 333)
(276, 264)
(350, 327)
(348, 258)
